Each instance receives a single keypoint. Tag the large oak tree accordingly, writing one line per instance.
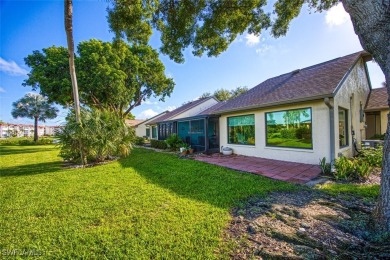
(112, 76)
(210, 26)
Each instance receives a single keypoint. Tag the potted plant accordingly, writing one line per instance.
(190, 149)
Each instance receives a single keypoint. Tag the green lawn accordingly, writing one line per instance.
(149, 205)
(365, 191)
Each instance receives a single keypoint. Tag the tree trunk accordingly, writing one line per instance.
(72, 69)
(35, 129)
(371, 21)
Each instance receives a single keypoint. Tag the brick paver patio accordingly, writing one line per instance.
(275, 169)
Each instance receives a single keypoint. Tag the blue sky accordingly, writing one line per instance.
(313, 38)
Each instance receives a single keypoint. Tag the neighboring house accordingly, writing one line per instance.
(193, 122)
(301, 116)
(376, 111)
(142, 129)
(25, 130)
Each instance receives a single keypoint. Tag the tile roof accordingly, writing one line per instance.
(179, 110)
(312, 82)
(134, 122)
(377, 99)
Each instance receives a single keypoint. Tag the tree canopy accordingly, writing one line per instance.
(207, 26)
(112, 76)
(34, 106)
(224, 94)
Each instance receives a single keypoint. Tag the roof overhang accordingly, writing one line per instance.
(274, 104)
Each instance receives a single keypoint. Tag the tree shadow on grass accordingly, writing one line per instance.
(30, 169)
(8, 150)
(200, 181)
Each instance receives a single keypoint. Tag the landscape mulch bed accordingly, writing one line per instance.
(307, 224)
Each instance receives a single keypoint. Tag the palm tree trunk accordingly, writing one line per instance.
(35, 129)
(72, 69)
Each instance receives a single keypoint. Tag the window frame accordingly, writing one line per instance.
(290, 147)
(346, 122)
(227, 129)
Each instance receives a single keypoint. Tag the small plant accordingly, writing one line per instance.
(326, 168)
(344, 168)
(373, 156)
(174, 142)
(362, 169)
(139, 140)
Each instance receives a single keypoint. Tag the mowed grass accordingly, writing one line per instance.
(370, 191)
(149, 205)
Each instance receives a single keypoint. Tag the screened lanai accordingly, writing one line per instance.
(200, 133)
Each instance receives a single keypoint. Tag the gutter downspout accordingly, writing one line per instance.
(332, 135)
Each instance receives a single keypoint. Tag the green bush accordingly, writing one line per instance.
(362, 169)
(139, 140)
(102, 135)
(357, 168)
(26, 141)
(174, 142)
(344, 168)
(159, 144)
(373, 156)
(288, 133)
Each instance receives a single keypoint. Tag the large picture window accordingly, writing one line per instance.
(343, 127)
(289, 128)
(241, 130)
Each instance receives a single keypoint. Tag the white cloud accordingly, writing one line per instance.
(148, 113)
(336, 16)
(170, 108)
(11, 68)
(2, 90)
(148, 102)
(264, 49)
(252, 39)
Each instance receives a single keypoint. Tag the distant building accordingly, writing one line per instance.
(25, 130)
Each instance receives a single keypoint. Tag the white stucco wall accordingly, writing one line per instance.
(196, 110)
(353, 91)
(320, 135)
(140, 130)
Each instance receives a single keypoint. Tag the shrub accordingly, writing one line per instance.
(174, 142)
(344, 168)
(362, 169)
(373, 156)
(325, 167)
(159, 144)
(139, 140)
(26, 141)
(102, 134)
(288, 133)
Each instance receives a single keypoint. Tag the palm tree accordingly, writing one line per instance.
(34, 106)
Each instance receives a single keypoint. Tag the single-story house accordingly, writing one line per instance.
(193, 122)
(303, 115)
(142, 129)
(376, 111)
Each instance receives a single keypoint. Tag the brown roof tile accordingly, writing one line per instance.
(134, 122)
(312, 82)
(377, 99)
